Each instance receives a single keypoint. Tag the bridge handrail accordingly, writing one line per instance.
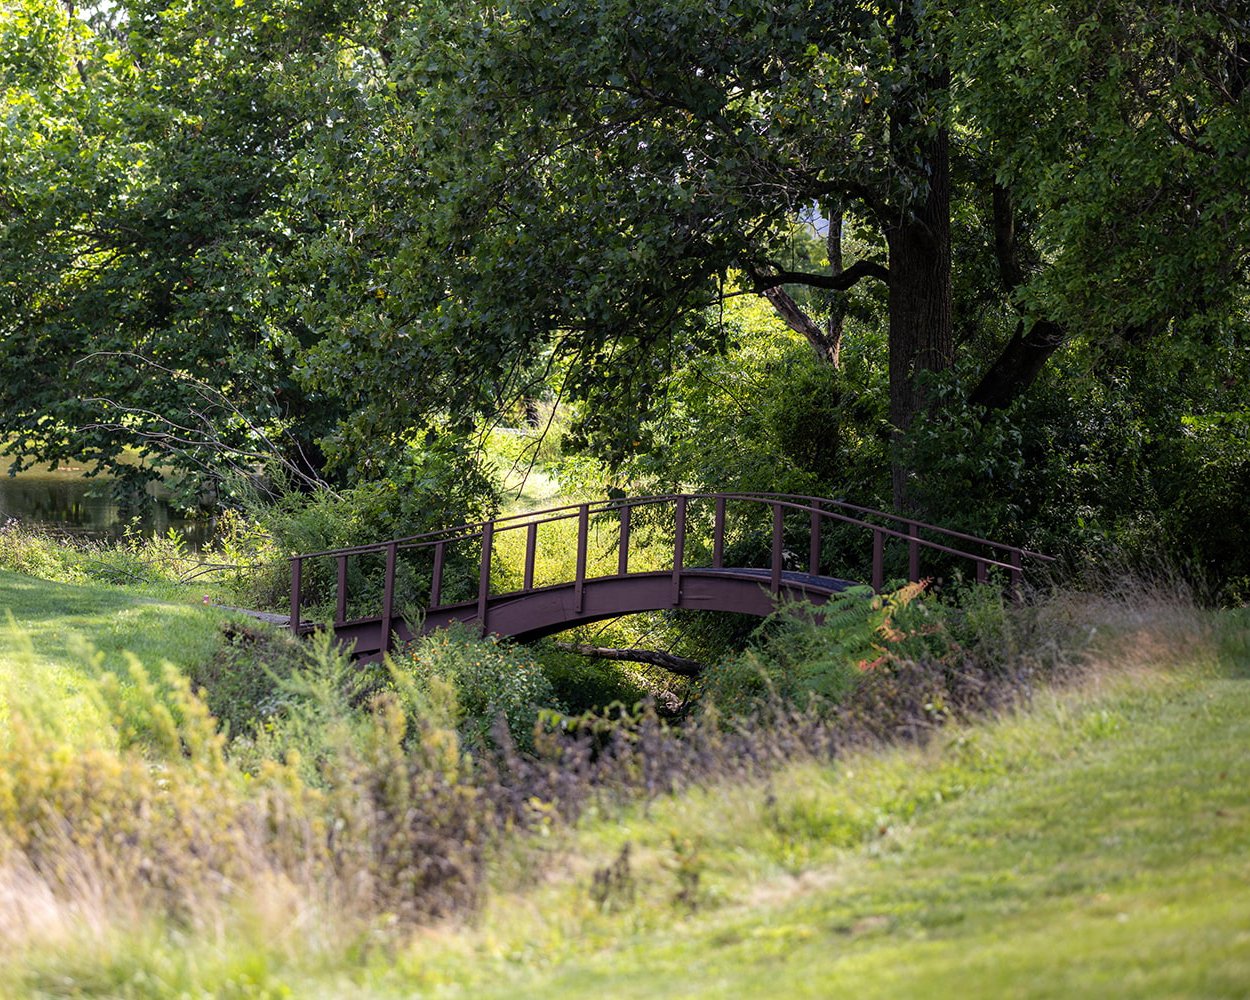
(819, 510)
(475, 529)
(937, 528)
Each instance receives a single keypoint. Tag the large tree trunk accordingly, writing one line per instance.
(921, 338)
(918, 233)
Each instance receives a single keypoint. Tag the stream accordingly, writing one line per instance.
(66, 500)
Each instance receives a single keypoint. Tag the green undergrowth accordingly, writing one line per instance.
(1088, 842)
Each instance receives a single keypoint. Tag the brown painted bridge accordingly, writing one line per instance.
(738, 552)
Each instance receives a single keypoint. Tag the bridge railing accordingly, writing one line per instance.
(883, 527)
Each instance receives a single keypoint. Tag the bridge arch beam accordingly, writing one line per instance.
(539, 613)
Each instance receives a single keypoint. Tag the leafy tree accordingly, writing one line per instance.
(141, 267)
(318, 229)
(583, 182)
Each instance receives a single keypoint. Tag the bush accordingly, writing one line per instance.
(583, 683)
(812, 657)
(491, 678)
(243, 681)
(441, 488)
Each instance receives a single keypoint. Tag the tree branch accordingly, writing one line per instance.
(669, 661)
(840, 282)
(1019, 364)
(798, 321)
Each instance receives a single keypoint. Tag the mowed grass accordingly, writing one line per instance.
(1092, 846)
(54, 637)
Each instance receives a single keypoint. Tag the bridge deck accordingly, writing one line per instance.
(534, 614)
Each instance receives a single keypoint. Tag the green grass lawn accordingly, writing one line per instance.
(1095, 846)
(44, 652)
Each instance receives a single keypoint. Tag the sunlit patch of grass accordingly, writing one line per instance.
(41, 648)
(1091, 845)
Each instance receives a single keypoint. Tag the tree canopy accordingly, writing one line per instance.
(334, 232)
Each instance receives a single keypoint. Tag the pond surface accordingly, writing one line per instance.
(66, 500)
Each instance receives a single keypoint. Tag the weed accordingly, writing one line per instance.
(612, 887)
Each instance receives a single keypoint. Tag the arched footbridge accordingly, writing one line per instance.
(533, 574)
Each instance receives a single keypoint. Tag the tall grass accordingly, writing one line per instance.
(163, 565)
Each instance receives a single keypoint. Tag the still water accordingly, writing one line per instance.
(66, 500)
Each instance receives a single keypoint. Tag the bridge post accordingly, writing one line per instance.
(297, 565)
(583, 530)
(622, 549)
(1017, 577)
(483, 577)
(774, 583)
(388, 596)
(531, 550)
(813, 551)
(436, 584)
(340, 609)
(679, 548)
(718, 535)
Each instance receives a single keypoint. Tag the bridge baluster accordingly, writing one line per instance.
(878, 559)
(483, 578)
(622, 555)
(531, 549)
(340, 611)
(778, 529)
(436, 585)
(813, 552)
(679, 548)
(583, 530)
(297, 566)
(1017, 577)
(718, 535)
(913, 552)
(388, 596)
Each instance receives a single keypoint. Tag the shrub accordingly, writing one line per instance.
(583, 683)
(491, 678)
(243, 681)
(808, 656)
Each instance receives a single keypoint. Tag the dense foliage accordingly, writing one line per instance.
(1003, 246)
